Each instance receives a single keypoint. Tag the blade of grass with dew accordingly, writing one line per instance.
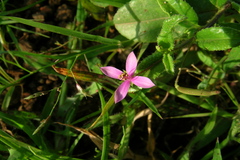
(65, 31)
(106, 128)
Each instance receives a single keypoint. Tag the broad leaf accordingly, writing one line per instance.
(173, 7)
(204, 9)
(140, 20)
(165, 40)
(105, 3)
(218, 3)
(218, 38)
(236, 6)
(168, 63)
(232, 60)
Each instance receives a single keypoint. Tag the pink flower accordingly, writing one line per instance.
(127, 76)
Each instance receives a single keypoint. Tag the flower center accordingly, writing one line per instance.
(123, 76)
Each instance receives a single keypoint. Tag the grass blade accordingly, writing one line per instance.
(65, 31)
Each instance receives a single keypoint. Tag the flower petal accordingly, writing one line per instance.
(143, 82)
(131, 64)
(111, 72)
(122, 91)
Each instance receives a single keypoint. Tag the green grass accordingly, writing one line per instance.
(49, 115)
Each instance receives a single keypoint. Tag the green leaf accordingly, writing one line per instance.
(156, 71)
(165, 39)
(235, 26)
(206, 59)
(232, 60)
(218, 38)
(217, 152)
(7, 98)
(65, 31)
(204, 9)
(218, 3)
(221, 126)
(115, 3)
(3, 13)
(98, 13)
(106, 128)
(205, 131)
(154, 58)
(140, 20)
(23, 124)
(236, 6)
(173, 7)
(20, 150)
(15, 154)
(168, 63)
(235, 128)
(149, 103)
(105, 109)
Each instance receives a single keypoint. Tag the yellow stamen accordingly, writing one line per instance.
(123, 76)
